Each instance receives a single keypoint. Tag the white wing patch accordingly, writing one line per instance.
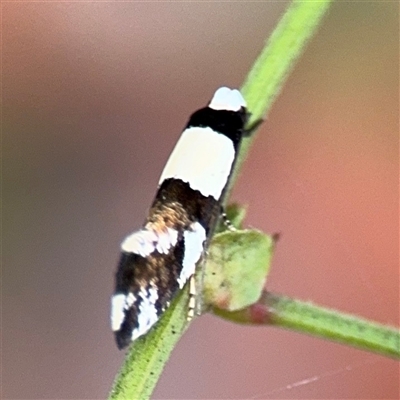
(194, 247)
(145, 242)
(147, 316)
(118, 302)
(202, 158)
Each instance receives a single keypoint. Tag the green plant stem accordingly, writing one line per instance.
(277, 59)
(146, 358)
(325, 323)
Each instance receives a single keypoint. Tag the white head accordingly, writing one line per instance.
(227, 99)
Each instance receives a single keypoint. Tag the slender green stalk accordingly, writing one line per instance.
(146, 358)
(274, 64)
(321, 322)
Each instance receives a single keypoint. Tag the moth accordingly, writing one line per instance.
(159, 259)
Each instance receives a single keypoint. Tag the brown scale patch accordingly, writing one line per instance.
(177, 206)
(169, 215)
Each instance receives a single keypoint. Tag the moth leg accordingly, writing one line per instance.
(226, 221)
(192, 298)
(253, 127)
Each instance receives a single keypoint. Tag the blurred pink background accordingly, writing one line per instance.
(95, 96)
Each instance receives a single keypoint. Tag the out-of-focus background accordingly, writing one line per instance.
(95, 96)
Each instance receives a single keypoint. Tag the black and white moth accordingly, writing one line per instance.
(160, 258)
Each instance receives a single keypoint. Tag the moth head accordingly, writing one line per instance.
(227, 99)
